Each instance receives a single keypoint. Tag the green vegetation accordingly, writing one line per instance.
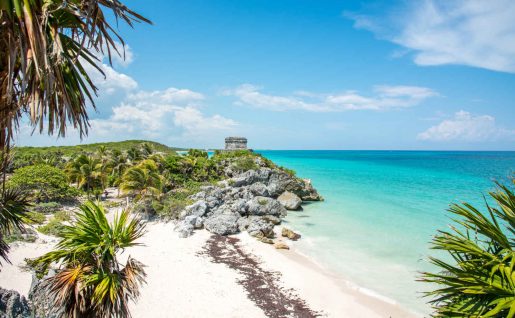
(480, 282)
(14, 206)
(35, 218)
(176, 200)
(42, 183)
(46, 49)
(143, 180)
(71, 151)
(54, 227)
(21, 236)
(47, 207)
(91, 281)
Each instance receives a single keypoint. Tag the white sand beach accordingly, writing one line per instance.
(182, 281)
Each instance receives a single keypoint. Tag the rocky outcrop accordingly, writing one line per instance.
(290, 200)
(252, 201)
(223, 224)
(40, 303)
(13, 305)
(290, 234)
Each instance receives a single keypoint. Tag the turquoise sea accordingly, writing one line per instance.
(381, 209)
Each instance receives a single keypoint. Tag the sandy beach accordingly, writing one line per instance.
(205, 275)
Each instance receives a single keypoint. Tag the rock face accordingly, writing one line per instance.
(290, 200)
(223, 224)
(40, 303)
(13, 305)
(252, 201)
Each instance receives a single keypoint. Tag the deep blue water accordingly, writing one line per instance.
(381, 209)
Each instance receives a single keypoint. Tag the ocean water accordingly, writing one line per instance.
(382, 208)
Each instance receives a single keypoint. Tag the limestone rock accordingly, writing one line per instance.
(259, 227)
(185, 228)
(290, 234)
(289, 200)
(40, 302)
(281, 245)
(222, 224)
(259, 189)
(198, 208)
(13, 305)
(265, 240)
(263, 206)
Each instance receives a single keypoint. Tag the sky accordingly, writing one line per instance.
(310, 74)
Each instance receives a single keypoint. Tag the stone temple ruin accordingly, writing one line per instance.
(235, 143)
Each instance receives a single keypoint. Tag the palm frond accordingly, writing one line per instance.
(480, 281)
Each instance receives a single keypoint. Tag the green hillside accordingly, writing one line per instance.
(116, 145)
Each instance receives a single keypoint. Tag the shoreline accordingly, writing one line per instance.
(183, 280)
(318, 286)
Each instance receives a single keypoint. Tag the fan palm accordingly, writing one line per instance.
(143, 179)
(480, 282)
(46, 48)
(91, 282)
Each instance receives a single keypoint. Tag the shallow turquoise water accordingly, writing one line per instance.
(381, 209)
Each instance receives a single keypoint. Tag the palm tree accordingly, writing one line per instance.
(119, 163)
(14, 206)
(45, 49)
(480, 282)
(146, 150)
(143, 180)
(90, 281)
(86, 171)
(134, 155)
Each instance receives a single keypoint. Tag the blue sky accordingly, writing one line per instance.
(299, 74)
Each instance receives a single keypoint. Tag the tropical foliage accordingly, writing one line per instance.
(91, 281)
(14, 206)
(480, 280)
(42, 183)
(143, 180)
(45, 49)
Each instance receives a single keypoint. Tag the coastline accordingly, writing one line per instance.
(322, 290)
(184, 281)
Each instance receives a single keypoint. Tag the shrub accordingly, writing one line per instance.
(54, 227)
(35, 218)
(47, 207)
(245, 164)
(28, 235)
(288, 171)
(43, 183)
(63, 216)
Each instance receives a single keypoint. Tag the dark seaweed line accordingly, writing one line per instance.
(261, 285)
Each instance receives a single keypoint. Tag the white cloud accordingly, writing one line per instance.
(159, 114)
(385, 97)
(466, 127)
(195, 122)
(111, 81)
(476, 33)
